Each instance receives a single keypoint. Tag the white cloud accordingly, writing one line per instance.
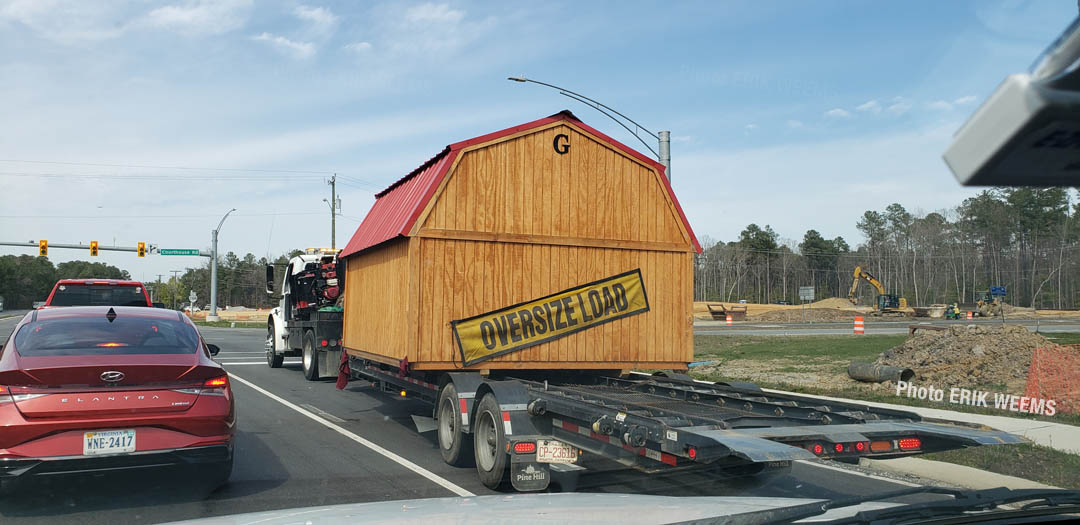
(434, 13)
(297, 50)
(751, 127)
(358, 47)
(316, 15)
(964, 100)
(837, 113)
(900, 106)
(794, 124)
(872, 106)
(940, 105)
(200, 17)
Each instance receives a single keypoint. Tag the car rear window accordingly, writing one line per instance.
(124, 335)
(98, 295)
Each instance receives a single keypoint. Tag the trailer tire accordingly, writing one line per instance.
(489, 440)
(273, 358)
(310, 360)
(455, 445)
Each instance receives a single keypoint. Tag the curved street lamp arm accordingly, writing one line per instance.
(223, 218)
(627, 128)
(595, 104)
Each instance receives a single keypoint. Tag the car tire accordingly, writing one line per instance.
(222, 472)
(455, 445)
(273, 358)
(310, 357)
(489, 444)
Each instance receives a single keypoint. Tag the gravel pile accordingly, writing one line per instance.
(968, 356)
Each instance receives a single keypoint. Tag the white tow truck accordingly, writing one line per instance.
(307, 322)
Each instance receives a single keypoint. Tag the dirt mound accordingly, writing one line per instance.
(832, 302)
(968, 356)
(810, 314)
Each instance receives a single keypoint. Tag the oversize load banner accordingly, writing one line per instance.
(513, 328)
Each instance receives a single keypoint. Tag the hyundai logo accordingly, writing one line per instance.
(112, 376)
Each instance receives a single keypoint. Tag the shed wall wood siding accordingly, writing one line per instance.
(376, 300)
(522, 186)
(459, 279)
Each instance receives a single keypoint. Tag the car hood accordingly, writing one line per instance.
(625, 509)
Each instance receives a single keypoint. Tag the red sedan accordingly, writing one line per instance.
(95, 388)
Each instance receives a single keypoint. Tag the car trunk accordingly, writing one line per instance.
(54, 387)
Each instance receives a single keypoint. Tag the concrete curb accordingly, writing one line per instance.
(951, 473)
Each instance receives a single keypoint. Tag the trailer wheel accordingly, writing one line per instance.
(489, 440)
(310, 361)
(455, 445)
(273, 358)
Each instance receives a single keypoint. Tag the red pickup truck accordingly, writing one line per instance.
(98, 292)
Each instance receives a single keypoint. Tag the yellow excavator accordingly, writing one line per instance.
(887, 303)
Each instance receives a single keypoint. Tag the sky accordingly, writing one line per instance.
(134, 121)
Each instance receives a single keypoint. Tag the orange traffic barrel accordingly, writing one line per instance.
(859, 328)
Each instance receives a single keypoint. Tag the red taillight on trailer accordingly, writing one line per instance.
(860, 446)
(839, 447)
(524, 447)
(325, 342)
(691, 452)
(818, 449)
(910, 443)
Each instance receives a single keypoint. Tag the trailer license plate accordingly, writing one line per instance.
(555, 452)
(108, 442)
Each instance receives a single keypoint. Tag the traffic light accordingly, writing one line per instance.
(43, 248)
(93, 248)
(142, 249)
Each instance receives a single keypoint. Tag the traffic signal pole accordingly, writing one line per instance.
(34, 244)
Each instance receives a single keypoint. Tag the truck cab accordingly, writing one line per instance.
(307, 321)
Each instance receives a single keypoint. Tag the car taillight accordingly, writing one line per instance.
(218, 386)
(524, 447)
(4, 397)
(910, 443)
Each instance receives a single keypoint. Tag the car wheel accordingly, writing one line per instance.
(273, 358)
(455, 445)
(222, 472)
(489, 443)
(311, 362)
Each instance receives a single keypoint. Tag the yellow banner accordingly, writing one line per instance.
(530, 323)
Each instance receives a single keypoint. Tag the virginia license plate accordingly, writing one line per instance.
(555, 452)
(108, 442)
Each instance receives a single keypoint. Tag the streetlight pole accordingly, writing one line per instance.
(663, 138)
(213, 316)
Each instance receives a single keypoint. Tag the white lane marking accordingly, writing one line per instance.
(323, 413)
(437, 479)
(857, 473)
(256, 363)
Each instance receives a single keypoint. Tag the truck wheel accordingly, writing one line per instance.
(489, 440)
(455, 445)
(311, 362)
(273, 358)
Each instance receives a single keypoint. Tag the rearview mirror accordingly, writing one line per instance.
(214, 349)
(159, 305)
(270, 279)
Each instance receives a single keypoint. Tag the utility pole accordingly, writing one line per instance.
(174, 280)
(335, 208)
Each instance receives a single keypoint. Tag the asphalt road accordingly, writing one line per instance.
(287, 459)
(871, 326)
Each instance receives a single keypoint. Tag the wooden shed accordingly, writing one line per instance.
(509, 250)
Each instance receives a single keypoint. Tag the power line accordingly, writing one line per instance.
(189, 215)
(146, 166)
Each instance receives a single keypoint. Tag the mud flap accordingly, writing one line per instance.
(329, 363)
(527, 475)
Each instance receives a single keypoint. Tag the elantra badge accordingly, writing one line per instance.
(112, 376)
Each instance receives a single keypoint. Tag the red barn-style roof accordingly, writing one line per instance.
(397, 208)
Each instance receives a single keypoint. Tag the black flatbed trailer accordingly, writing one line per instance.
(665, 422)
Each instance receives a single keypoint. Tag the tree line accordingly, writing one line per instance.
(1020, 238)
(26, 279)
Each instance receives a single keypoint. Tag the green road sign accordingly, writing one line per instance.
(178, 251)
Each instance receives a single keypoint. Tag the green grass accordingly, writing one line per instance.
(813, 347)
(228, 324)
(1034, 462)
(1064, 338)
